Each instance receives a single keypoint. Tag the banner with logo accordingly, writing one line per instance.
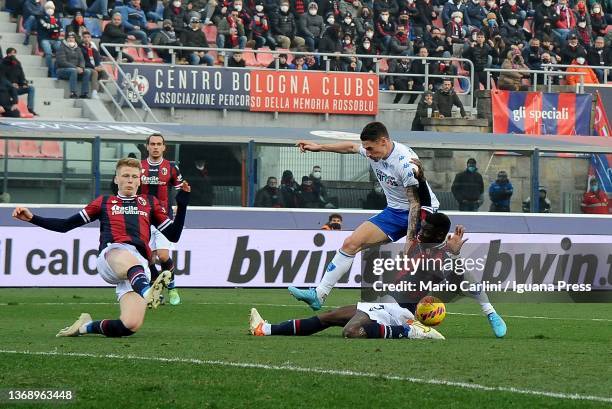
(537, 113)
(185, 86)
(31, 256)
(601, 163)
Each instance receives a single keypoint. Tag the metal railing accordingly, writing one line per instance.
(547, 80)
(605, 69)
(325, 58)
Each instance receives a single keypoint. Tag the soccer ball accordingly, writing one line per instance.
(430, 311)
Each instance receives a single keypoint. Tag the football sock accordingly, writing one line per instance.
(169, 265)
(306, 326)
(340, 265)
(375, 330)
(138, 280)
(154, 271)
(480, 296)
(108, 328)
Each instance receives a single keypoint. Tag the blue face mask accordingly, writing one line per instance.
(594, 187)
(492, 23)
(471, 169)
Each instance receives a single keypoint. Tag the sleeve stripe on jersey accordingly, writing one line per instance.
(85, 216)
(164, 225)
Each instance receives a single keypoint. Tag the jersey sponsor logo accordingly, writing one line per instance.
(384, 178)
(119, 210)
(151, 180)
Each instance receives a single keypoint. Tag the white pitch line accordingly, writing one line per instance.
(321, 371)
(301, 306)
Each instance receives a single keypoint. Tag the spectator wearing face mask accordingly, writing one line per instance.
(476, 13)
(260, 27)
(455, 33)
(512, 32)
(581, 11)
(468, 188)
(230, 31)
(363, 21)
(376, 199)
(167, 36)
(451, 7)
(600, 55)
(12, 71)
(512, 80)
(353, 7)
(49, 31)
(366, 48)
(425, 17)
(71, 66)
(289, 190)
(594, 200)
(311, 26)
(348, 26)
(320, 190)
(566, 21)
(177, 15)
(77, 26)
(572, 50)
(544, 203)
(516, 7)
(284, 28)
(589, 78)
(492, 7)
(385, 30)
(500, 193)
(598, 20)
(490, 27)
(334, 222)
(307, 196)
(269, 195)
(390, 6)
(546, 16)
(583, 32)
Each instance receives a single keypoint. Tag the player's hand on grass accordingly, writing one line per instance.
(454, 242)
(306, 146)
(23, 214)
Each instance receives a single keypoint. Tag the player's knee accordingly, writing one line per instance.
(132, 324)
(351, 245)
(351, 331)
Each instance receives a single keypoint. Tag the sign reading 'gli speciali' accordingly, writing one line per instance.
(162, 86)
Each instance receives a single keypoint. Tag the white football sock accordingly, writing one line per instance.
(340, 264)
(267, 329)
(487, 308)
(481, 297)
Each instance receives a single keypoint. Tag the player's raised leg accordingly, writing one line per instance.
(362, 325)
(300, 327)
(366, 235)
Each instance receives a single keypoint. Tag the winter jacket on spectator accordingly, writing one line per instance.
(426, 11)
(49, 28)
(436, 45)
(329, 6)
(594, 202)
(567, 19)
(546, 17)
(476, 13)
(399, 43)
(422, 112)
(268, 197)
(8, 98)
(598, 24)
(491, 29)
(289, 190)
(389, 5)
(589, 78)
(77, 27)
(533, 57)
(479, 55)
(311, 26)
(114, 34)
(600, 56)
(91, 56)
(581, 12)
(330, 42)
(512, 35)
(12, 70)
(454, 31)
(178, 16)
(298, 7)
(32, 8)
(364, 20)
(284, 24)
(399, 67)
(224, 28)
(512, 80)
(584, 36)
(367, 64)
(570, 53)
(500, 193)
(348, 28)
(450, 7)
(385, 28)
(193, 38)
(68, 57)
(507, 10)
(132, 17)
(163, 37)
(446, 101)
(467, 186)
(351, 6)
(260, 24)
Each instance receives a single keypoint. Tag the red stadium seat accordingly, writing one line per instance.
(210, 31)
(29, 149)
(133, 52)
(51, 149)
(143, 55)
(2, 147)
(104, 24)
(23, 109)
(249, 58)
(13, 149)
(264, 59)
(110, 70)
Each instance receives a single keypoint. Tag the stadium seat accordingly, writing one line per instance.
(94, 26)
(210, 32)
(2, 147)
(13, 149)
(23, 109)
(65, 22)
(111, 71)
(133, 52)
(264, 58)
(143, 55)
(29, 149)
(51, 149)
(104, 24)
(249, 58)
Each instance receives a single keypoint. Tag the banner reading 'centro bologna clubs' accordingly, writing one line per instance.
(537, 113)
(257, 90)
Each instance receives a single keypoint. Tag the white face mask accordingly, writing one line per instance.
(547, 3)
(512, 22)
(596, 10)
(284, 9)
(316, 175)
(71, 42)
(331, 20)
(491, 4)
(176, 4)
(580, 60)
(366, 46)
(457, 20)
(347, 42)
(384, 18)
(347, 20)
(49, 11)
(369, 34)
(238, 7)
(259, 7)
(512, 2)
(313, 12)
(475, 1)
(582, 24)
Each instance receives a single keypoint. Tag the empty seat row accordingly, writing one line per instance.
(31, 149)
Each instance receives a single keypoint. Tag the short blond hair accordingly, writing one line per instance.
(129, 162)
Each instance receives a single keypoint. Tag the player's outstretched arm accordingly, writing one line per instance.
(338, 147)
(173, 229)
(412, 192)
(59, 225)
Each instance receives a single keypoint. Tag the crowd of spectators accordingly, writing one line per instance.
(512, 34)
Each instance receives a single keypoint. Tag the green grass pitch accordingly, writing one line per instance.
(198, 355)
